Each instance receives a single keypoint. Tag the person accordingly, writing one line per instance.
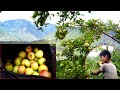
(107, 68)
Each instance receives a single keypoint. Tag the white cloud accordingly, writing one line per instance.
(103, 15)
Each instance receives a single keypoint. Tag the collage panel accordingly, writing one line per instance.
(28, 61)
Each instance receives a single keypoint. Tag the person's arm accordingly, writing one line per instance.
(96, 72)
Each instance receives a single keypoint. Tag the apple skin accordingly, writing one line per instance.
(34, 65)
(31, 61)
(22, 54)
(9, 67)
(21, 69)
(86, 44)
(28, 71)
(39, 54)
(45, 73)
(15, 69)
(36, 49)
(35, 73)
(17, 61)
(42, 67)
(31, 56)
(26, 62)
(28, 49)
(41, 61)
(36, 59)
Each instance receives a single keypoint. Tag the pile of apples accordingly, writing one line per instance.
(29, 62)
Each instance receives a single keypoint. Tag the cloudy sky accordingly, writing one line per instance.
(103, 15)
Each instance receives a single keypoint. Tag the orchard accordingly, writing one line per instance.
(75, 51)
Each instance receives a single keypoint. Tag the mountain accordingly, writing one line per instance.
(23, 30)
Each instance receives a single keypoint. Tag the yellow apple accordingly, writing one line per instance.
(31, 56)
(39, 54)
(42, 67)
(22, 54)
(17, 61)
(41, 61)
(34, 65)
(9, 67)
(28, 71)
(15, 69)
(26, 62)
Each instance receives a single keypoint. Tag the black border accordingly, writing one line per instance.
(57, 5)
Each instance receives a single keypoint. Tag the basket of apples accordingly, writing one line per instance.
(29, 62)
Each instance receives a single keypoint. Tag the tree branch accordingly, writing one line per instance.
(111, 37)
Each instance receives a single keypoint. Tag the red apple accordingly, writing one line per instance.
(34, 65)
(28, 49)
(22, 54)
(21, 69)
(45, 73)
(31, 56)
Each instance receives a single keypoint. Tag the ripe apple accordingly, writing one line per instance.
(28, 49)
(86, 44)
(42, 67)
(45, 73)
(34, 65)
(36, 49)
(36, 59)
(15, 69)
(39, 54)
(9, 66)
(28, 71)
(31, 56)
(26, 62)
(21, 69)
(17, 61)
(31, 61)
(35, 73)
(41, 61)
(22, 54)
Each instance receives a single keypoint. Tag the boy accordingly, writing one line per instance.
(108, 68)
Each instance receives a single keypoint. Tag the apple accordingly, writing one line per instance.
(31, 61)
(34, 65)
(26, 62)
(31, 56)
(15, 69)
(28, 49)
(28, 71)
(41, 61)
(42, 67)
(9, 66)
(45, 73)
(22, 54)
(17, 61)
(39, 54)
(35, 73)
(86, 44)
(21, 69)
(36, 59)
(36, 49)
